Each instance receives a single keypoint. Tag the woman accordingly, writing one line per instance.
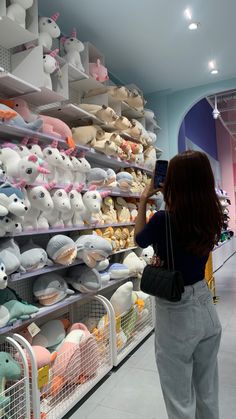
(187, 332)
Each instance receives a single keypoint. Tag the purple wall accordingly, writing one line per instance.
(199, 127)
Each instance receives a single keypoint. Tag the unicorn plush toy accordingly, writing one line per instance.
(73, 47)
(17, 10)
(50, 64)
(48, 30)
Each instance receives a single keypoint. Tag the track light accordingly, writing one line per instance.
(216, 112)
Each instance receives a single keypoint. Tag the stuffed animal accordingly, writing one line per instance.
(109, 213)
(10, 370)
(118, 271)
(50, 288)
(122, 123)
(13, 308)
(92, 201)
(10, 255)
(52, 334)
(39, 200)
(92, 249)
(17, 11)
(85, 134)
(34, 148)
(61, 205)
(98, 71)
(3, 275)
(121, 300)
(65, 170)
(50, 65)
(133, 262)
(80, 168)
(62, 249)
(124, 181)
(150, 158)
(147, 254)
(73, 47)
(111, 179)
(96, 177)
(9, 224)
(107, 147)
(84, 279)
(133, 207)
(22, 148)
(125, 236)
(12, 200)
(123, 212)
(108, 234)
(73, 217)
(33, 257)
(48, 30)
(17, 119)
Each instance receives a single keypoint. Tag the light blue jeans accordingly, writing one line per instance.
(187, 341)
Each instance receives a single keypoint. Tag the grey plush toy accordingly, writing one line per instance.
(62, 249)
(84, 279)
(49, 289)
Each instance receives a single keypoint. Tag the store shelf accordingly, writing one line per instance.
(13, 131)
(75, 74)
(12, 34)
(69, 112)
(43, 97)
(11, 86)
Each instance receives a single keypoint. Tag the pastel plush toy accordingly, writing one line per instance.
(122, 123)
(111, 179)
(17, 10)
(17, 119)
(118, 271)
(73, 47)
(124, 181)
(96, 177)
(92, 201)
(150, 157)
(92, 249)
(39, 200)
(33, 257)
(107, 114)
(98, 71)
(50, 65)
(12, 200)
(109, 213)
(54, 160)
(61, 205)
(22, 148)
(74, 216)
(3, 275)
(65, 170)
(50, 288)
(62, 249)
(84, 279)
(107, 147)
(121, 300)
(133, 262)
(80, 168)
(13, 308)
(9, 224)
(10, 370)
(52, 334)
(147, 254)
(133, 207)
(123, 212)
(48, 30)
(34, 148)
(10, 255)
(53, 126)
(85, 134)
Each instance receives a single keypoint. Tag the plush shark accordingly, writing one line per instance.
(13, 308)
(49, 289)
(91, 249)
(62, 249)
(84, 279)
(34, 257)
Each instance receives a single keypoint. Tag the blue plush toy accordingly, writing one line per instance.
(9, 370)
(12, 200)
(19, 121)
(13, 308)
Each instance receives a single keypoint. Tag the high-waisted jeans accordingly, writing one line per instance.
(187, 341)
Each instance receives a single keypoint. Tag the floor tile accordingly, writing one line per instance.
(102, 412)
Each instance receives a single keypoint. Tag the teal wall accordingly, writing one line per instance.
(171, 108)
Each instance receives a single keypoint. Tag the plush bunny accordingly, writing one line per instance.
(92, 201)
(73, 47)
(39, 200)
(48, 30)
(50, 65)
(17, 10)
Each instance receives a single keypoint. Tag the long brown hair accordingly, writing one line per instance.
(190, 196)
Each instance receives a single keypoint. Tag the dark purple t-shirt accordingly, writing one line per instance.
(154, 233)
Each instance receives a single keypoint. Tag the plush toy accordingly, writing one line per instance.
(109, 213)
(118, 271)
(123, 212)
(80, 168)
(33, 257)
(17, 11)
(3, 275)
(54, 160)
(111, 179)
(147, 254)
(125, 235)
(65, 170)
(84, 279)
(10, 255)
(73, 47)
(22, 148)
(108, 234)
(133, 207)
(39, 200)
(53, 126)
(150, 158)
(18, 168)
(133, 262)
(62, 249)
(13, 308)
(17, 119)
(96, 177)
(124, 181)
(33, 147)
(12, 200)
(85, 134)
(107, 147)
(9, 224)
(48, 30)
(122, 123)
(50, 65)
(91, 249)
(121, 300)
(73, 217)
(10, 370)
(98, 71)
(92, 201)
(61, 205)
(50, 288)
(52, 334)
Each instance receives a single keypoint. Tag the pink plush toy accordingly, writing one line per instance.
(53, 126)
(98, 71)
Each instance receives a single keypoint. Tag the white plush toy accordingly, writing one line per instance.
(40, 200)
(48, 30)
(80, 168)
(73, 217)
(147, 254)
(150, 157)
(61, 202)
(93, 201)
(73, 47)
(121, 300)
(34, 148)
(134, 263)
(66, 168)
(50, 65)
(17, 10)
(22, 148)
(8, 224)
(53, 159)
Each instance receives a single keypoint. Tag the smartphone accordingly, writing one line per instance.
(160, 172)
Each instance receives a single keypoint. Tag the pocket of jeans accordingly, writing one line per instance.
(182, 324)
(213, 313)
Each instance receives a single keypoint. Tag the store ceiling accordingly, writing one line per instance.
(147, 42)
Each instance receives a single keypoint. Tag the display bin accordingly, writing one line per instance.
(136, 328)
(76, 371)
(15, 399)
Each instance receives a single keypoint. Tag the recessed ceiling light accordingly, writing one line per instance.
(193, 26)
(214, 71)
(188, 14)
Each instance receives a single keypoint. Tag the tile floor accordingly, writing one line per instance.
(133, 390)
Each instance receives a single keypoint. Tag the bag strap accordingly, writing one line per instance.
(169, 237)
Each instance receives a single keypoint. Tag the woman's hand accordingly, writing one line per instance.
(150, 190)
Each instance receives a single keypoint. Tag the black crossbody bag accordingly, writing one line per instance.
(159, 281)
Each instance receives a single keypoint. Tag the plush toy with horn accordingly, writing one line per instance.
(39, 200)
(61, 202)
(93, 201)
(50, 65)
(48, 30)
(73, 47)
(17, 11)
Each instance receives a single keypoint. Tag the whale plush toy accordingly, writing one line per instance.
(52, 334)
(34, 257)
(84, 279)
(92, 249)
(50, 288)
(62, 249)
(13, 308)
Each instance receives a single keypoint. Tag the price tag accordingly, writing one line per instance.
(43, 376)
(33, 329)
